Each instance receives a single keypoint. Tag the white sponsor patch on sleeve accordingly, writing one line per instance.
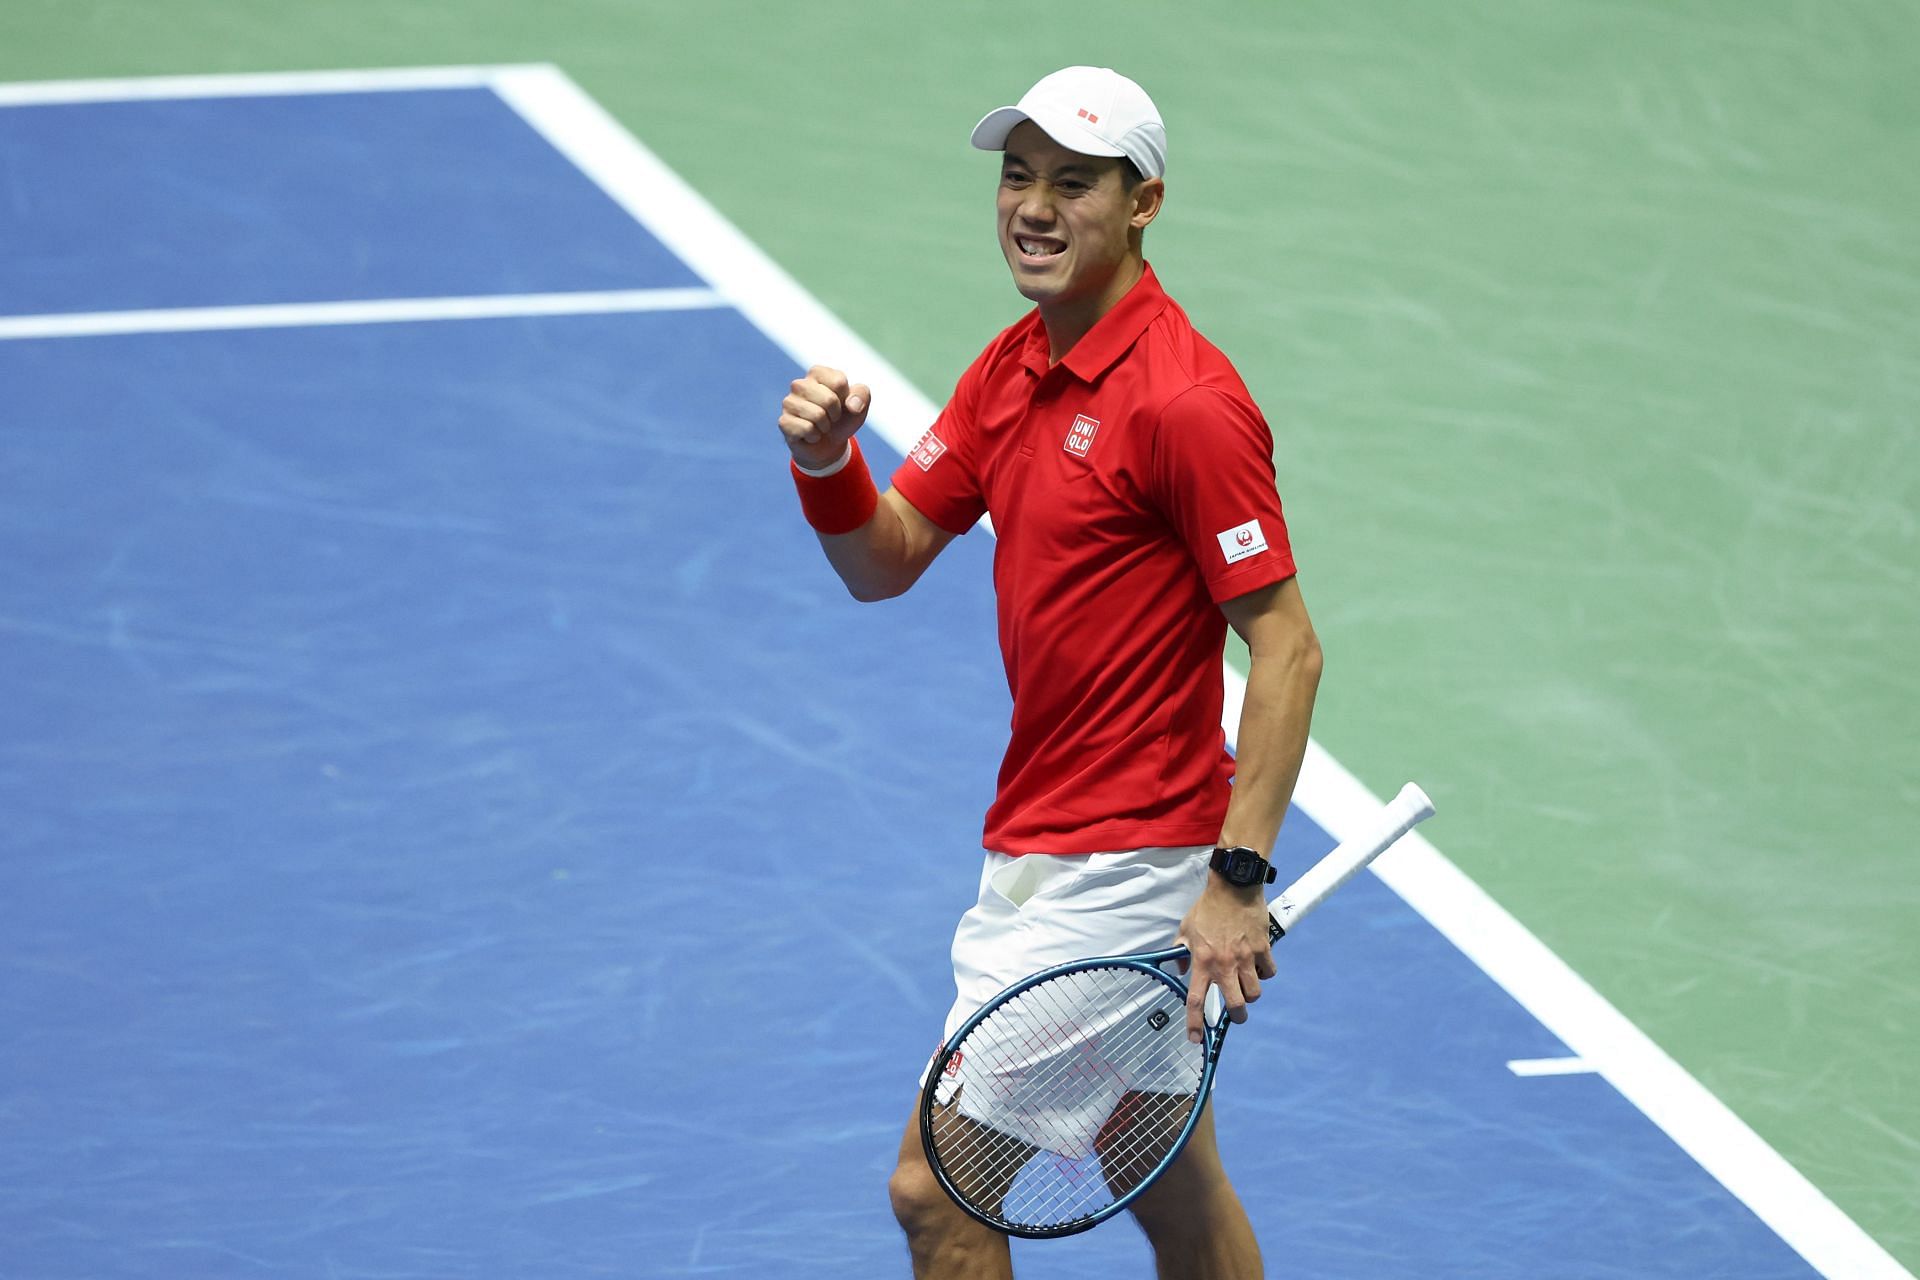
(1241, 541)
(928, 451)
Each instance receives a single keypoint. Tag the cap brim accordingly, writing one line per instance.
(991, 133)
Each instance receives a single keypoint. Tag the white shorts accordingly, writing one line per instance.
(1044, 909)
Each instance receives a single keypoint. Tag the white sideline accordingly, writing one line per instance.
(738, 269)
(1598, 1036)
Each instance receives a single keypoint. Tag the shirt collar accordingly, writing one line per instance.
(1111, 336)
(1116, 331)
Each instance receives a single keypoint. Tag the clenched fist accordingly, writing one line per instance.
(819, 415)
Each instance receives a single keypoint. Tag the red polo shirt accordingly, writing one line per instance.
(1132, 489)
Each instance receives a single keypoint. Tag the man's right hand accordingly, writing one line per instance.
(819, 415)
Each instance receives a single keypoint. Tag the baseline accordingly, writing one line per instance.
(266, 84)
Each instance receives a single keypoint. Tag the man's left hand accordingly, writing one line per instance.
(1226, 932)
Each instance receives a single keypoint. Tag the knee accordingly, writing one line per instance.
(920, 1204)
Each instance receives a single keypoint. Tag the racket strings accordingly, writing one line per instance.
(975, 1143)
(1070, 1094)
(1077, 1070)
(1128, 1137)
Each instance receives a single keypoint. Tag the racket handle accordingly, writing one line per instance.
(1399, 816)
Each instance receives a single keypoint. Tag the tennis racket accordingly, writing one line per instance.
(1061, 1100)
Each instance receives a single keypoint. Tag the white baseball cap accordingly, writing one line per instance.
(1093, 110)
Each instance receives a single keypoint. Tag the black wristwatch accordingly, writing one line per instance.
(1241, 866)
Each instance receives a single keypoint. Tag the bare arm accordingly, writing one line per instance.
(1281, 682)
(1227, 928)
(887, 554)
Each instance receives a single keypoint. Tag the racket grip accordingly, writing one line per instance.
(1397, 817)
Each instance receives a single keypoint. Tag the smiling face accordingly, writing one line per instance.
(1070, 224)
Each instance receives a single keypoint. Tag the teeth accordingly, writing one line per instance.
(1033, 248)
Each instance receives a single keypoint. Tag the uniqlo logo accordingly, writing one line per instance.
(1241, 541)
(1080, 435)
(928, 451)
(953, 1065)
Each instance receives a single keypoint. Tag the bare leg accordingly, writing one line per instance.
(945, 1243)
(1136, 1136)
(1194, 1220)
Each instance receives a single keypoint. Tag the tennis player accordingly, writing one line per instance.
(1130, 479)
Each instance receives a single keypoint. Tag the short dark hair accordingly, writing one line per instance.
(1130, 175)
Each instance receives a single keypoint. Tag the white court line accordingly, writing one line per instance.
(1597, 1033)
(1550, 1067)
(91, 324)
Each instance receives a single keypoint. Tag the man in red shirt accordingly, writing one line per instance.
(1130, 479)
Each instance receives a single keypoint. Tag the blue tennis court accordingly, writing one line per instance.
(458, 825)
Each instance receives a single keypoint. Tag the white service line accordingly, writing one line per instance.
(1550, 1067)
(286, 315)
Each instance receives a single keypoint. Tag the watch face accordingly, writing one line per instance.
(1240, 866)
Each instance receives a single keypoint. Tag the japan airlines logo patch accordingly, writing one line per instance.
(1080, 435)
(1241, 541)
(928, 451)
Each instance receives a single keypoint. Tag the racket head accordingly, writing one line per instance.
(1061, 1100)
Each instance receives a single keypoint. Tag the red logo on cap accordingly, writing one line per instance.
(1088, 116)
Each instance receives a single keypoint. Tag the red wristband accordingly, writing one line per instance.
(841, 502)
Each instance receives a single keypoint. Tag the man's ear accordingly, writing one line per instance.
(1147, 199)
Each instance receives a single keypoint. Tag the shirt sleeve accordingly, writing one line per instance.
(939, 477)
(1213, 479)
